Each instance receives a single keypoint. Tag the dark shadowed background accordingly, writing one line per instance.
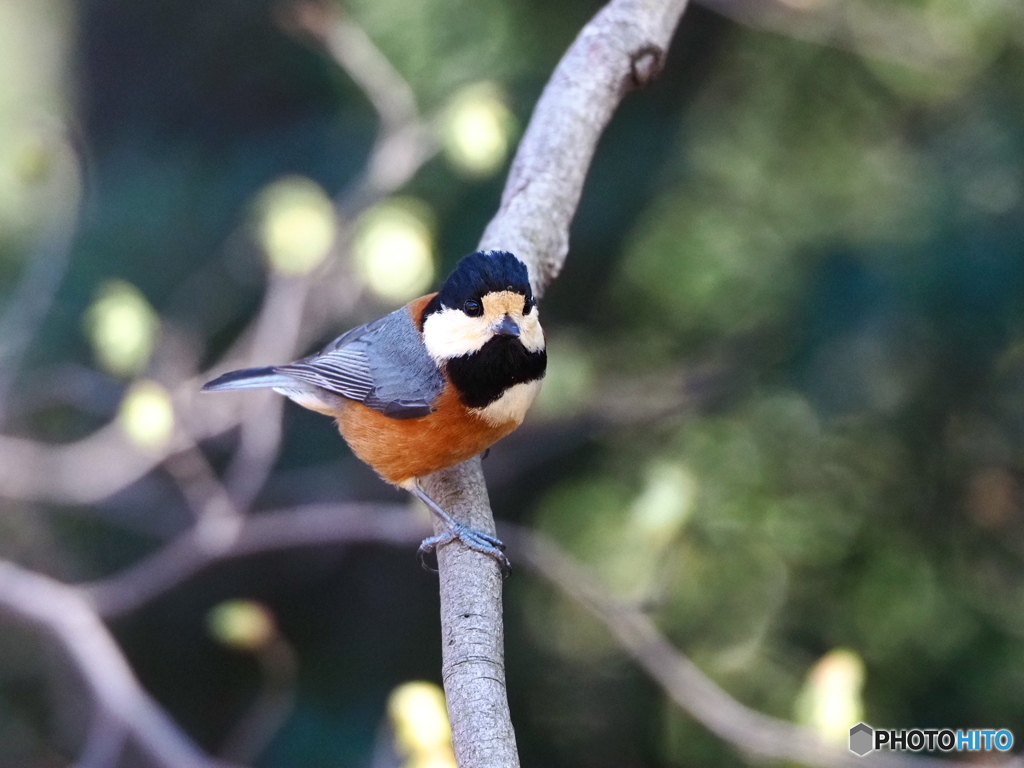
(785, 407)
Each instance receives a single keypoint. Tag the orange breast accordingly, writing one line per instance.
(402, 450)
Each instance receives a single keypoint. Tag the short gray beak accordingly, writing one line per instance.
(507, 327)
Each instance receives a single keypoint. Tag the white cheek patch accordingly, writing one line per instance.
(511, 406)
(530, 332)
(452, 333)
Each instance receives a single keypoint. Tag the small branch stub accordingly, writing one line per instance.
(647, 64)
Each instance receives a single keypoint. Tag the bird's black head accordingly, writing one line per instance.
(481, 273)
(483, 327)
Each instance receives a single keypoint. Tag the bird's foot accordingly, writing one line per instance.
(471, 538)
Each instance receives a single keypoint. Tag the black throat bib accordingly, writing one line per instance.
(482, 377)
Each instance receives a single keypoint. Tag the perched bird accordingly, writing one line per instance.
(429, 385)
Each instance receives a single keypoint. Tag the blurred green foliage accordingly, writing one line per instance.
(786, 405)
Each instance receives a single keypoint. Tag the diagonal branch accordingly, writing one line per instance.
(635, 632)
(620, 49)
(106, 462)
(747, 730)
(356, 54)
(45, 268)
(65, 613)
(194, 550)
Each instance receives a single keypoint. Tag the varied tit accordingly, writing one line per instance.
(429, 385)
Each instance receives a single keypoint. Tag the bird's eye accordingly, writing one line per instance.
(472, 308)
(528, 305)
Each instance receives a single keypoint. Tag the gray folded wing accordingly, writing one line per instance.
(383, 364)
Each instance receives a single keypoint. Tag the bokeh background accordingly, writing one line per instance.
(785, 407)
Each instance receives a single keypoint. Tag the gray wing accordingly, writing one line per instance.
(383, 364)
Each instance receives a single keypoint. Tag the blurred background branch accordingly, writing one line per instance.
(147, 434)
(781, 421)
(62, 611)
(750, 732)
(32, 299)
(190, 553)
(747, 730)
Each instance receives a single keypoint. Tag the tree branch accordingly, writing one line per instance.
(749, 731)
(106, 462)
(633, 631)
(620, 49)
(190, 553)
(103, 744)
(96, 467)
(472, 634)
(44, 270)
(354, 51)
(65, 613)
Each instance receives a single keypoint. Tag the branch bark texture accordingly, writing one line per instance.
(622, 48)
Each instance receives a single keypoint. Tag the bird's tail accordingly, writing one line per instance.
(249, 378)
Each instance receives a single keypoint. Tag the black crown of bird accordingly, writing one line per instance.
(431, 384)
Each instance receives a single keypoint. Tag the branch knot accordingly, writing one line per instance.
(645, 64)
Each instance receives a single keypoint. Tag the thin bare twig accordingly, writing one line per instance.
(405, 141)
(106, 462)
(274, 703)
(190, 553)
(82, 472)
(634, 631)
(46, 265)
(93, 468)
(205, 494)
(103, 744)
(749, 731)
(275, 340)
(67, 615)
(354, 51)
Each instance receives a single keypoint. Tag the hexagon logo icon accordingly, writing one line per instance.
(862, 739)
